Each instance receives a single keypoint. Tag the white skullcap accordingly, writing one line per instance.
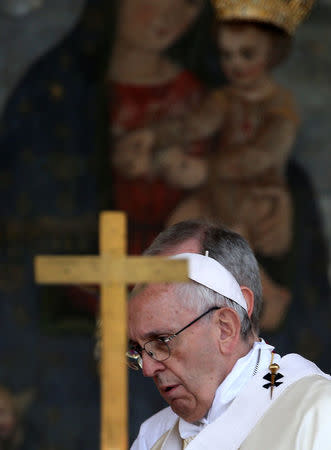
(210, 273)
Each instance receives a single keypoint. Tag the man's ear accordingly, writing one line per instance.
(229, 329)
(249, 297)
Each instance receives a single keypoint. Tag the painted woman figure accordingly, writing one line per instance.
(146, 86)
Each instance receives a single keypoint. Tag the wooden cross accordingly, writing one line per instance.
(113, 270)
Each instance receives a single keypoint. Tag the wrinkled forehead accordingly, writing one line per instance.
(149, 297)
(153, 308)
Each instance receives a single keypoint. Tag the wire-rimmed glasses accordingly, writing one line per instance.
(157, 348)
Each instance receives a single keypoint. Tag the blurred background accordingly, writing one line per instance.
(76, 79)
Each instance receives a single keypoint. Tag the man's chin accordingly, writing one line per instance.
(187, 411)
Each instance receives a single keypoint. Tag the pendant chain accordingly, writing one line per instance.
(257, 362)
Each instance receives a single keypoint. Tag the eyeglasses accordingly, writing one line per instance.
(157, 348)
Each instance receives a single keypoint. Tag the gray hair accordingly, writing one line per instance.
(229, 249)
(200, 298)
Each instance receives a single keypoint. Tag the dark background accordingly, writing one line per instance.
(53, 184)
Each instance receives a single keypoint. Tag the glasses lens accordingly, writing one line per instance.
(157, 349)
(133, 359)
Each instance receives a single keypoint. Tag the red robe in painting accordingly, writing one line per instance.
(148, 202)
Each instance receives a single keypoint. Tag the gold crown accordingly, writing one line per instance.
(285, 14)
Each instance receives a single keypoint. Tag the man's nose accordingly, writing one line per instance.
(150, 366)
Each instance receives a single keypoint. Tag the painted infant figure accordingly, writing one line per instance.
(255, 123)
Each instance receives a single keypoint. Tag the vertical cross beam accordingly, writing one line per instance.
(112, 241)
(113, 270)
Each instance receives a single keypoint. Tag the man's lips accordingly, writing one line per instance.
(168, 387)
(169, 390)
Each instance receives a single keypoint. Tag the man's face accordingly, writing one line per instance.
(189, 378)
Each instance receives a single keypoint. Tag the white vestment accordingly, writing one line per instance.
(298, 417)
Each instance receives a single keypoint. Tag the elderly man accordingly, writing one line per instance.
(199, 342)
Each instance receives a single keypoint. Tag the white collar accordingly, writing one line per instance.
(242, 371)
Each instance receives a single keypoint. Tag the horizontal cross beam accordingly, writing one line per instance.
(107, 269)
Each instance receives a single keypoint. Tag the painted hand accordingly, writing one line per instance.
(132, 154)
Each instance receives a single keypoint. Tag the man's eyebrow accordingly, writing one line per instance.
(151, 335)
(156, 333)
